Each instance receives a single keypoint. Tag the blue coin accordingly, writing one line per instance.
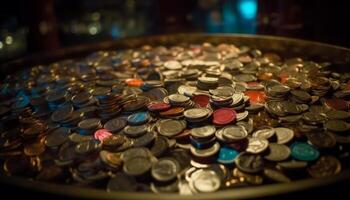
(227, 155)
(21, 102)
(138, 118)
(304, 151)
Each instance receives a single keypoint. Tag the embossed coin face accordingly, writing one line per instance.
(234, 133)
(277, 152)
(165, 169)
(171, 127)
(203, 132)
(284, 135)
(205, 181)
(196, 113)
(257, 145)
(250, 163)
(265, 133)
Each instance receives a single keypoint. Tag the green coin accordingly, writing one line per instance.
(304, 151)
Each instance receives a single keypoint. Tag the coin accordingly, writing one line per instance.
(321, 139)
(165, 169)
(205, 181)
(196, 113)
(158, 106)
(257, 145)
(102, 134)
(135, 131)
(265, 133)
(57, 137)
(227, 155)
(115, 125)
(250, 163)
(337, 125)
(277, 152)
(171, 127)
(134, 168)
(304, 152)
(284, 135)
(203, 132)
(325, 166)
(234, 133)
(224, 116)
(276, 176)
(138, 118)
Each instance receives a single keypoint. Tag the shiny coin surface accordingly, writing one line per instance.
(234, 133)
(284, 135)
(257, 145)
(203, 132)
(205, 181)
(166, 169)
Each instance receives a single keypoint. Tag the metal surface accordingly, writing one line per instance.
(283, 46)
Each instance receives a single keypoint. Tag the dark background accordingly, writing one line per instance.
(32, 26)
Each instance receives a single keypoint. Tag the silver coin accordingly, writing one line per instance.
(203, 132)
(265, 133)
(196, 113)
(284, 135)
(234, 133)
(257, 145)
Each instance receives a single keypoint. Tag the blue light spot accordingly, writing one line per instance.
(248, 8)
(115, 32)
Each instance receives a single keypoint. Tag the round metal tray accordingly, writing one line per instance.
(284, 46)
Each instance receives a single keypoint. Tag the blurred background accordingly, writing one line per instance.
(34, 26)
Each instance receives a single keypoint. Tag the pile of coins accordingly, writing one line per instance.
(189, 119)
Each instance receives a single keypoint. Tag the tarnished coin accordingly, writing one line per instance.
(171, 127)
(325, 166)
(134, 167)
(115, 125)
(337, 126)
(276, 176)
(250, 163)
(277, 152)
(165, 169)
(321, 139)
(135, 131)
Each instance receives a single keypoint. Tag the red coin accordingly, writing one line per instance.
(256, 96)
(224, 116)
(201, 100)
(102, 134)
(154, 107)
(338, 104)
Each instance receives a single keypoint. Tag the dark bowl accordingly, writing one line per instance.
(286, 47)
